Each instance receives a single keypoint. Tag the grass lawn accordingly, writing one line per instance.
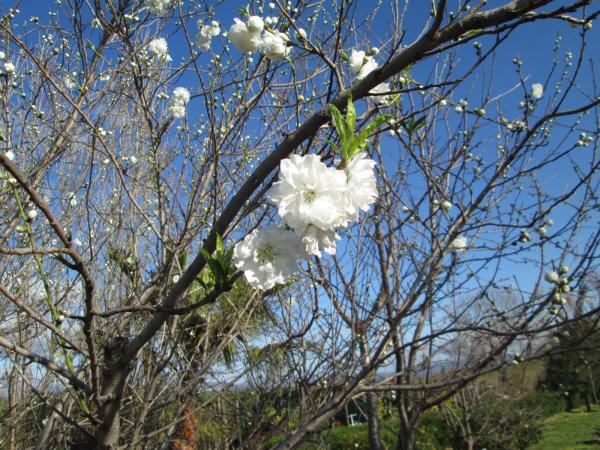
(569, 431)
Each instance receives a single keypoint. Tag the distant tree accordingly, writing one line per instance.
(575, 367)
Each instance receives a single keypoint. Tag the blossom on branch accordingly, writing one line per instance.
(158, 7)
(309, 192)
(180, 98)
(315, 241)
(274, 45)
(160, 49)
(361, 64)
(206, 33)
(246, 36)
(267, 256)
(537, 91)
(361, 186)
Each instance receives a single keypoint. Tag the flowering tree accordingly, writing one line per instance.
(194, 197)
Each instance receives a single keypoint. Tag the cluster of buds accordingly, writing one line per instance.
(584, 140)
(562, 285)
(542, 230)
(524, 237)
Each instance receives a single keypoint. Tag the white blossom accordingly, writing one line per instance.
(537, 91)
(380, 94)
(356, 60)
(315, 241)
(32, 214)
(361, 185)
(10, 155)
(180, 98)
(72, 199)
(246, 36)
(274, 45)
(361, 64)
(459, 244)
(309, 192)
(206, 33)
(267, 256)
(2, 55)
(9, 68)
(158, 7)
(160, 49)
(70, 82)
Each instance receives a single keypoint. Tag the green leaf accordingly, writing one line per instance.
(361, 141)
(213, 265)
(333, 145)
(219, 243)
(351, 115)
(344, 56)
(340, 125)
(244, 11)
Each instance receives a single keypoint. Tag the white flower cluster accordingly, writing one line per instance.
(9, 68)
(160, 49)
(205, 34)
(313, 200)
(249, 37)
(158, 7)
(180, 98)
(362, 65)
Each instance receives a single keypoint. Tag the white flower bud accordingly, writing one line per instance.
(551, 277)
(537, 91)
(32, 214)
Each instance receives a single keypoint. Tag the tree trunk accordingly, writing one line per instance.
(114, 378)
(406, 437)
(373, 422)
(409, 421)
(372, 413)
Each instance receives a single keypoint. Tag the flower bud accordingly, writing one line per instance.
(446, 205)
(551, 277)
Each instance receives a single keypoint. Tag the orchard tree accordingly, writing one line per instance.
(222, 224)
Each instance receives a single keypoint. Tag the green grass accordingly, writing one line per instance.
(569, 431)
